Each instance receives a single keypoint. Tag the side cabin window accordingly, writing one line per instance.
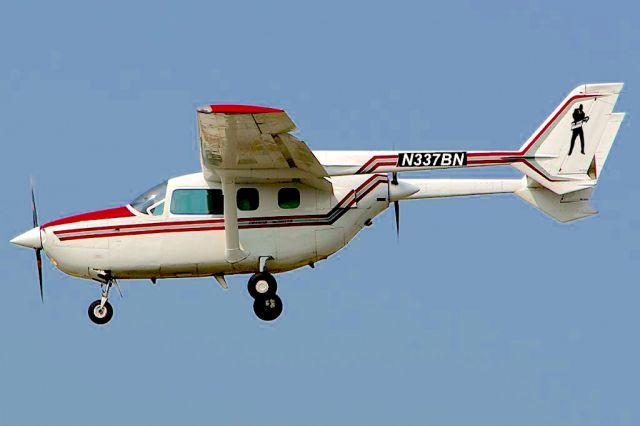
(197, 201)
(289, 198)
(248, 199)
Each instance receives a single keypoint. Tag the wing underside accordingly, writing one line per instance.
(254, 144)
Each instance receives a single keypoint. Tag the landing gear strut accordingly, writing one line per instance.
(101, 311)
(262, 287)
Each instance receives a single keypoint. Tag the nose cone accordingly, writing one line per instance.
(29, 239)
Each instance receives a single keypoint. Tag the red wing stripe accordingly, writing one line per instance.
(239, 109)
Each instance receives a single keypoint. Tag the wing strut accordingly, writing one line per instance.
(233, 252)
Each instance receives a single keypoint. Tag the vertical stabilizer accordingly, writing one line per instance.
(567, 150)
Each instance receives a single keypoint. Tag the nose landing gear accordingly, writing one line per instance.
(101, 311)
(267, 305)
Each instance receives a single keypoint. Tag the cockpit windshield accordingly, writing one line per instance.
(150, 198)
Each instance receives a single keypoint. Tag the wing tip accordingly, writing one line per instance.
(237, 109)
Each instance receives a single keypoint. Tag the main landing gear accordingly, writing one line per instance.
(101, 311)
(262, 287)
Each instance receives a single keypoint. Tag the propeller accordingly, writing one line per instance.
(396, 204)
(34, 211)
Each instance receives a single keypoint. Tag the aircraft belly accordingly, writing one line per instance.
(294, 248)
(187, 253)
(328, 241)
(258, 242)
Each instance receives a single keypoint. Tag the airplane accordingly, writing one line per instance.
(264, 203)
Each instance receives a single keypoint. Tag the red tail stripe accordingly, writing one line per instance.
(376, 158)
(537, 136)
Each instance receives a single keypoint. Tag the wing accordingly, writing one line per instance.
(253, 144)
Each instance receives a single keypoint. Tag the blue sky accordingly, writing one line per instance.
(485, 311)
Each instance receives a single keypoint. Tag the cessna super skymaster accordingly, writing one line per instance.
(265, 203)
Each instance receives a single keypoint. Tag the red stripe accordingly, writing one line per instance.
(487, 153)
(194, 229)
(146, 231)
(161, 226)
(138, 225)
(188, 222)
(537, 136)
(113, 213)
(242, 109)
(517, 160)
(375, 158)
(497, 161)
(525, 149)
(382, 164)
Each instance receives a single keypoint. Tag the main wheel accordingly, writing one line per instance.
(261, 285)
(98, 315)
(268, 308)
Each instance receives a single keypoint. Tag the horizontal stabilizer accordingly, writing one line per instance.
(563, 208)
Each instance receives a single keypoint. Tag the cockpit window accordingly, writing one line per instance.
(156, 210)
(150, 197)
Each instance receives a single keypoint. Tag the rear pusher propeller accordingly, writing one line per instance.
(396, 204)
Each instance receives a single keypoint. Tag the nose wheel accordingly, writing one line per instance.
(266, 305)
(100, 314)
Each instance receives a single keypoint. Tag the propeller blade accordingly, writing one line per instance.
(39, 265)
(396, 204)
(396, 208)
(34, 210)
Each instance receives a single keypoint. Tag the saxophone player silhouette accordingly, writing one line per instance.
(579, 118)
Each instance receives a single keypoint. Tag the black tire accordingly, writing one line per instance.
(100, 318)
(257, 278)
(268, 308)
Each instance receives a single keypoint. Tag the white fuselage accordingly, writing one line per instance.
(131, 244)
